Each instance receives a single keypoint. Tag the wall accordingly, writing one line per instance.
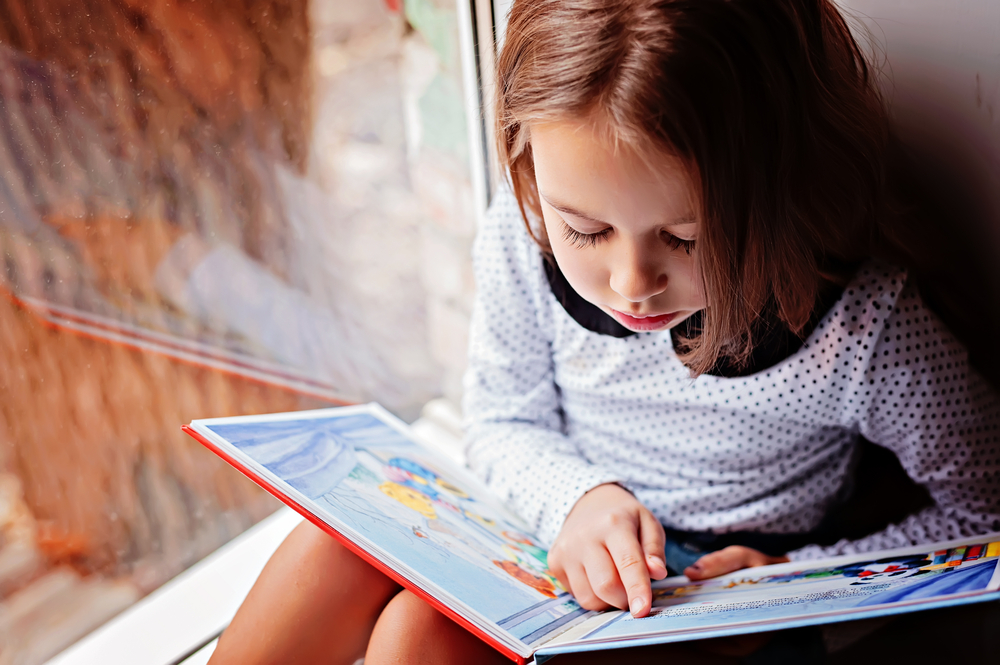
(940, 71)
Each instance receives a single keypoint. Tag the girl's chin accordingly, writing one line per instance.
(645, 324)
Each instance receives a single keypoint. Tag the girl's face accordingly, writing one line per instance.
(623, 234)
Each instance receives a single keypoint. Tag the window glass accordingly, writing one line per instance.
(207, 209)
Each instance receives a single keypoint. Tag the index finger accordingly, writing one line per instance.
(630, 559)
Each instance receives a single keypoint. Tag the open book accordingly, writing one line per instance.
(359, 475)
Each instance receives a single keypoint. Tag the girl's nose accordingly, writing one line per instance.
(638, 276)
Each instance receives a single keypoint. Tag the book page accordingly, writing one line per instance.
(767, 596)
(359, 471)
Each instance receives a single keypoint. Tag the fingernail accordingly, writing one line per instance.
(657, 560)
(636, 605)
(696, 566)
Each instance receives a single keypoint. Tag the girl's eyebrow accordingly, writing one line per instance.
(570, 210)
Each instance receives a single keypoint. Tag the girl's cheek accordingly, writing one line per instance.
(583, 268)
(579, 268)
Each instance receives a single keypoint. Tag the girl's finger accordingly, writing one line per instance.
(653, 541)
(580, 587)
(603, 576)
(561, 577)
(632, 575)
(558, 571)
(729, 559)
(718, 563)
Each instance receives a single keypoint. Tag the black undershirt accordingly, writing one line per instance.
(773, 340)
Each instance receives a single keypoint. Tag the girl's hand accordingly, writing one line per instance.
(607, 551)
(729, 559)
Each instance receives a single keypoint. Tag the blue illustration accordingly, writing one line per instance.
(373, 484)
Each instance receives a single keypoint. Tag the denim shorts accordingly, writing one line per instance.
(678, 555)
(683, 548)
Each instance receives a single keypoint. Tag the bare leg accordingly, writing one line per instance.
(411, 631)
(315, 602)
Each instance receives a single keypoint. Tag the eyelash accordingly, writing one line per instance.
(678, 243)
(583, 240)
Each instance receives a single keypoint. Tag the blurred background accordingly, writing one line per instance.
(207, 209)
(213, 208)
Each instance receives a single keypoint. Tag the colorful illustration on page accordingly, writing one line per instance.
(749, 597)
(396, 495)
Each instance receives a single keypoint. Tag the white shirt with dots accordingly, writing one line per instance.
(553, 410)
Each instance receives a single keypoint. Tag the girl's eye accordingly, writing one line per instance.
(678, 243)
(583, 239)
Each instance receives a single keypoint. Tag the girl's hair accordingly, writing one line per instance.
(769, 104)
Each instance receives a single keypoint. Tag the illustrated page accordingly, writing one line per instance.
(759, 597)
(370, 479)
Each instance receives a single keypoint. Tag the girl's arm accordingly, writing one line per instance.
(514, 437)
(920, 398)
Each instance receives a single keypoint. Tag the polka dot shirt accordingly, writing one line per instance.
(554, 410)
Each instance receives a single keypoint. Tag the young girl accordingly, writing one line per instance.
(689, 311)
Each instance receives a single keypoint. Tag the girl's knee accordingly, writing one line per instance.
(321, 559)
(310, 543)
(408, 613)
(315, 601)
(411, 631)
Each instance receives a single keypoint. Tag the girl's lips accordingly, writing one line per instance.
(643, 323)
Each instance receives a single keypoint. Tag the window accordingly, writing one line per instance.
(211, 209)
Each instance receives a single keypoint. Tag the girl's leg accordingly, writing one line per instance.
(314, 602)
(411, 631)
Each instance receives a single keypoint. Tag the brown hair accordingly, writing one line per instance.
(771, 105)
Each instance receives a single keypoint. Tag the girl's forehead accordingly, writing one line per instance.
(579, 165)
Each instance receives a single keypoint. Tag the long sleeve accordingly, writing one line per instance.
(515, 436)
(919, 397)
